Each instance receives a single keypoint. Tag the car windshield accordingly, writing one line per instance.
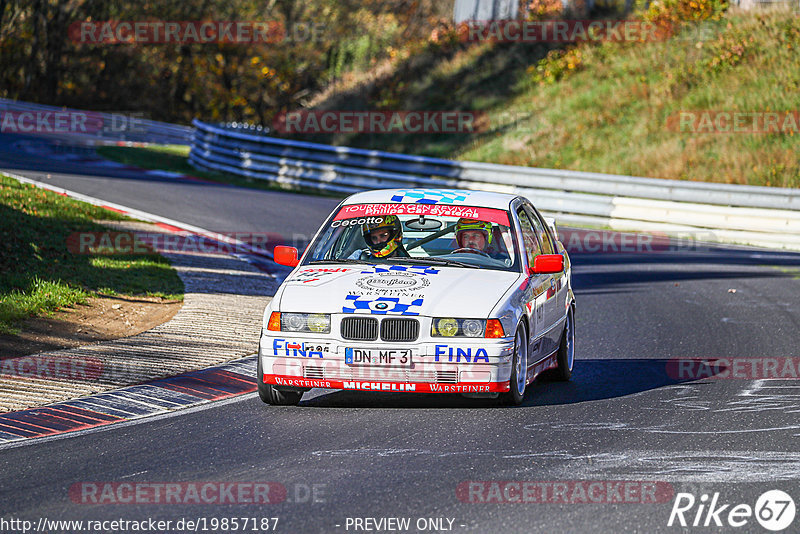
(457, 236)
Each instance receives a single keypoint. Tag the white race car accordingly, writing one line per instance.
(422, 290)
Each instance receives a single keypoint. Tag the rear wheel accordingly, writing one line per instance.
(519, 369)
(272, 395)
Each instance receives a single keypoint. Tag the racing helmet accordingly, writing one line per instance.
(464, 224)
(391, 223)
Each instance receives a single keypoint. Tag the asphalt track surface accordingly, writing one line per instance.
(623, 417)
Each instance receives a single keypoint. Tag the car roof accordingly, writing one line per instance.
(451, 197)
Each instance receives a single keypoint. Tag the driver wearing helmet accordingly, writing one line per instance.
(473, 234)
(384, 240)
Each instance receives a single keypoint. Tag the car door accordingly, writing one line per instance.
(540, 283)
(555, 306)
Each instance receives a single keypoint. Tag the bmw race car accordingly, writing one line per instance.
(422, 290)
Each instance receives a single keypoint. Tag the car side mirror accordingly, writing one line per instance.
(548, 264)
(286, 256)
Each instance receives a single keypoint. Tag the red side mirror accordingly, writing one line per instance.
(286, 256)
(548, 264)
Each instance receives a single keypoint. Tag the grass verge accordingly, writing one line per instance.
(39, 275)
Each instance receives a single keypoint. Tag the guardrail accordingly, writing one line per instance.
(763, 216)
(95, 128)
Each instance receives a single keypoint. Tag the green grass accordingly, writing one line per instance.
(173, 158)
(38, 274)
(794, 273)
(167, 157)
(610, 112)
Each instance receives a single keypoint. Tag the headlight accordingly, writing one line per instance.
(319, 323)
(451, 327)
(472, 327)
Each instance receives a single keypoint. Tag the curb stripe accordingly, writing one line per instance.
(103, 404)
(51, 422)
(109, 208)
(133, 402)
(6, 428)
(169, 227)
(195, 387)
(26, 427)
(5, 436)
(150, 401)
(80, 413)
(158, 395)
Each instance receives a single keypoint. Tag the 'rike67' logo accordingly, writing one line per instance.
(774, 510)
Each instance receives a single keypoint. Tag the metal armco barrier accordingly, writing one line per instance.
(763, 216)
(103, 128)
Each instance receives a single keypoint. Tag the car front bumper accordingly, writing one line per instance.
(448, 366)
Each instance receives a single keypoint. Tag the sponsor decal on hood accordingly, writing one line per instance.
(314, 276)
(396, 290)
(432, 196)
(382, 305)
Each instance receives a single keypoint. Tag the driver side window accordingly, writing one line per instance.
(532, 248)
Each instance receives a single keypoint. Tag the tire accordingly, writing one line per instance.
(566, 351)
(272, 395)
(519, 369)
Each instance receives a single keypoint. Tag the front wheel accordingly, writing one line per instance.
(272, 395)
(566, 350)
(519, 369)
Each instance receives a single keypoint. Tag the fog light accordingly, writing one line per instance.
(319, 323)
(447, 327)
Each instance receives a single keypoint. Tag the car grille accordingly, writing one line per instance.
(399, 329)
(366, 373)
(391, 330)
(360, 328)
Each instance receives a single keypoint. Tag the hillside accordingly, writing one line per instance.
(606, 107)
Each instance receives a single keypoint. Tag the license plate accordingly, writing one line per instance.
(378, 357)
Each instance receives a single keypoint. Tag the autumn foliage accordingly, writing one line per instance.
(42, 61)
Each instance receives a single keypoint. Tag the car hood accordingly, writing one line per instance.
(395, 290)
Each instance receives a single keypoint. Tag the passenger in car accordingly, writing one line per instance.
(473, 234)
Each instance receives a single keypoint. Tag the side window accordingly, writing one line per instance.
(528, 236)
(541, 232)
